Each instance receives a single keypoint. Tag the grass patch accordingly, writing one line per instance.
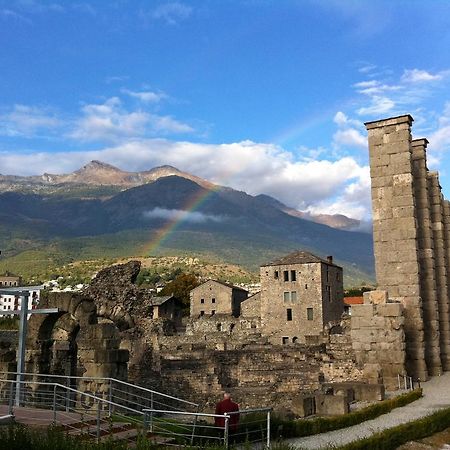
(394, 437)
(308, 427)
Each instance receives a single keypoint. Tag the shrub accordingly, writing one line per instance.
(307, 427)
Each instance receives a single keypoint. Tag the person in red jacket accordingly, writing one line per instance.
(227, 406)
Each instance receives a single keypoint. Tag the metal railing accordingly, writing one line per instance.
(59, 405)
(248, 426)
(47, 403)
(111, 389)
(406, 382)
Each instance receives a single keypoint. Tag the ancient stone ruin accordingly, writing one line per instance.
(288, 345)
(411, 230)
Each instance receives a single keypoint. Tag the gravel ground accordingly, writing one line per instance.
(436, 395)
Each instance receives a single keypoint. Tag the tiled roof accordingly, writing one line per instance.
(353, 300)
(158, 301)
(298, 257)
(224, 284)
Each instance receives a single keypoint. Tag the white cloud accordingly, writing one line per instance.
(146, 96)
(24, 120)
(172, 12)
(419, 76)
(179, 214)
(252, 167)
(110, 121)
(350, 138)
(379, 105)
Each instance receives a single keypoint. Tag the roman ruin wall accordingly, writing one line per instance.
(411, 226)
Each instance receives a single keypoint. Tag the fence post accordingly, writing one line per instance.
(54, 404)
(11, 398)
(194, 426)
(226, 430)
(404, 380)
(98, 420)
(110, 396)
(68, 395)
(398, 380)
(268, 429)
(151, 413)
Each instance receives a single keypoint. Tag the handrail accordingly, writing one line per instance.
(99, 399)
(136, 386)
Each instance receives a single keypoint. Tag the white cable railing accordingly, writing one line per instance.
(114, 390)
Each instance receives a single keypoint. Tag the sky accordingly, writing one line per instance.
(263, 96)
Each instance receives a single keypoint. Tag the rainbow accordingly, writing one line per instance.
(287, 136)
(161, 235)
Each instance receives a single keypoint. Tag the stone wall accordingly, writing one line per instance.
(411, 241)
(378, 338)
(318, 299)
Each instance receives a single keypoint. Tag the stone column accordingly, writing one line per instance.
(440, 255)
(395, 228)
(426, 258)
(446, 220)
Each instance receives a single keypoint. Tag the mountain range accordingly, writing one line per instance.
(102, 211)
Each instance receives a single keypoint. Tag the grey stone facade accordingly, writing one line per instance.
(411, 241)
(214, 297)
(300, 293)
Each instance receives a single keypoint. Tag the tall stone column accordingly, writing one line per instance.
(395, 228)
(446, 220)
(426, 258)
(440, 255)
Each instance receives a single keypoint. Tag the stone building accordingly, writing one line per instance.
(300, 293)
(411, 229)
(8, 279)
(167, 307)
(215, 297)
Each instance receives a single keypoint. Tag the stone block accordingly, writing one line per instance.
(332, 405)
(375, 297)
(362, 311)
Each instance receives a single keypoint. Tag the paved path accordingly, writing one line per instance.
(436, 395)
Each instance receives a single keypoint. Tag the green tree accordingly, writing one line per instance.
(180, 288)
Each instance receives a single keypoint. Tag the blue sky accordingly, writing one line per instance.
(264, 96)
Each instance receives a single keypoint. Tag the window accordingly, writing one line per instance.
(213, 312)
(289, 314)
(219, 327)
(309, 314)
(327, 274)
(202, 300)
(294, 339)
(337, 276)
(276, 274)
(293, 275)
(213, 300)
(306, 286)
(286, 297)
(285, 340)
(286, 275)
(294, 296)
(202, 313)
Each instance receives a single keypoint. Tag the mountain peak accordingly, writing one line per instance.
(98, 165)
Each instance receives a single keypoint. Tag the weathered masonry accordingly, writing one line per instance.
(411, 230)
(300, 293)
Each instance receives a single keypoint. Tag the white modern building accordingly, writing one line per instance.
(10, 300)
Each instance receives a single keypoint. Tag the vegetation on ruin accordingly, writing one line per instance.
(306, 427)
(357, 291)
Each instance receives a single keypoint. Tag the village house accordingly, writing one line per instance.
(8, 279)
(215, 297)
(300, 293)
(167, 307)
